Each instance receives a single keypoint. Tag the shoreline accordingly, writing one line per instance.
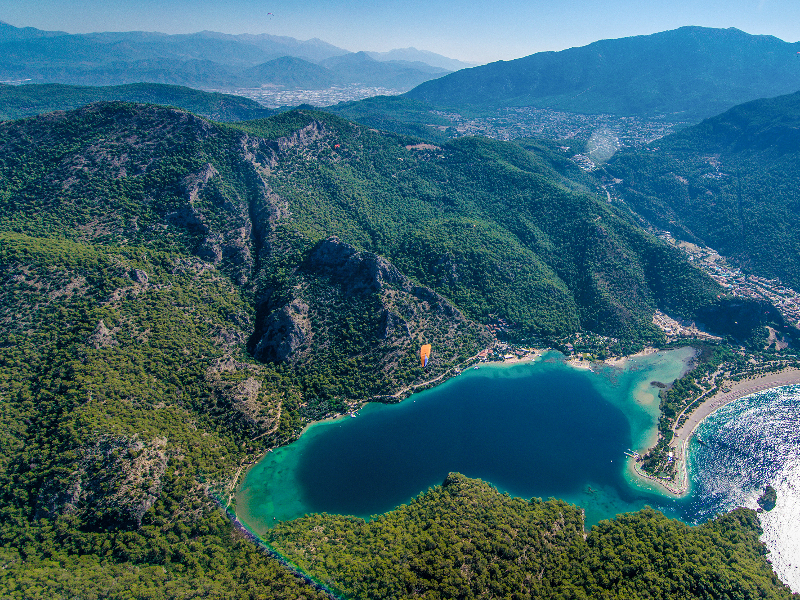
(670, 488)
(620, 361)
(399, 396)
(682, 435)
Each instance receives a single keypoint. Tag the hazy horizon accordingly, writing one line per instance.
(467, 31)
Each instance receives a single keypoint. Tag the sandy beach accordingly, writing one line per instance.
(738, 389)
(620, 361)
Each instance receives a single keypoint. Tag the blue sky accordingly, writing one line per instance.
(465, 29)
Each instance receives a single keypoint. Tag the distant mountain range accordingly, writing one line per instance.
(18, 101)
(205, 60)
(414, 56)
(689, 74)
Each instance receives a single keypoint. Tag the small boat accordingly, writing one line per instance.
(353, 415)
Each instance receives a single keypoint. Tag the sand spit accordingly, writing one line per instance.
(737, 389)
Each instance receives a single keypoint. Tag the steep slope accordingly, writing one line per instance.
(143, 175)
(730, 182)
(491, 226)
(125, 398)
(415, 56)
(359, 67)
(689, 73)
(18, 101)
(350, 69)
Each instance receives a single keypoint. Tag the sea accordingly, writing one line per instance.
(542, 428)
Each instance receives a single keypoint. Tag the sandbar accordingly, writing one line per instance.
(737, 389)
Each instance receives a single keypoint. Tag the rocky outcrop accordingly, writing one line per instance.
(139, 276)
(116, 481)
(284, 332)
(102, 336)
(358, 272)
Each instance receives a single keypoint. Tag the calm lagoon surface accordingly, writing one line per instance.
(541, 429)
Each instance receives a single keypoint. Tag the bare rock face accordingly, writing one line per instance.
(358, 272)
(102, 336)
(139, 276)
(284, 332)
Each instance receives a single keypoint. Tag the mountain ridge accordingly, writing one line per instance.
(727, 182)
(643, 75)
(205, 60)
(33, 99)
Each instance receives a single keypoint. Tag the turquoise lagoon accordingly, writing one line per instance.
(539, 428)
(542, 429)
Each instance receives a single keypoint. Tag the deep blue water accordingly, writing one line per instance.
(544, 430)
(517, 432)
(540, 429)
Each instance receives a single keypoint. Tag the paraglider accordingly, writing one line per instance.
(424, 354)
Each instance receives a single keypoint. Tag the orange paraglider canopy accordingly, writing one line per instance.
(424, 354)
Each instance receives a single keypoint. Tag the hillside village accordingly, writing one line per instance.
(737, 283)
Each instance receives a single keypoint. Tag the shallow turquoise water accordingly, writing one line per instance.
(541, 429)
(532, 429)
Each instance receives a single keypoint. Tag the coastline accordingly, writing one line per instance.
(620, 361)
(737, 389)
(399, 396)
(673, 488)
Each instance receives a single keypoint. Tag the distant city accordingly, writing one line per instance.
(610, 132)
(605, 133)
(277, 97)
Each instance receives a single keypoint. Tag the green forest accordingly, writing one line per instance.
(18, 101)
(179, 296)
(729, 183)
(464, 539)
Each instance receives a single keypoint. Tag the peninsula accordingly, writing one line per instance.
(739, 389)
(686, 422)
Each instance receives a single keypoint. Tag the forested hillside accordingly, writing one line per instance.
(124, 395)
(500, 230)
(730, 182)
(466, 540)
(179, 295)
(18, 101)
(493, 227)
